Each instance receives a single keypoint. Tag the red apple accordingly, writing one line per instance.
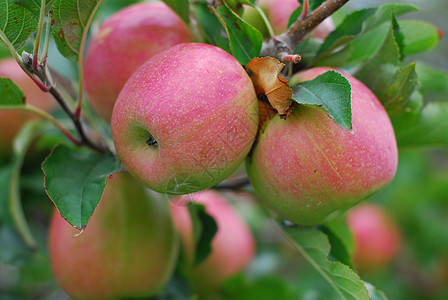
(186, 119)
(308, 169)
(11, 121)
(125, 42)
(376, 236)
(128, 248)
(233, 245)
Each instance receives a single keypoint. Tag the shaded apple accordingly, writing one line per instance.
(128, 248)
(308, 169)
(10, 120)
(233, 245)
(376, 236)
(125, 42)
(186, 119)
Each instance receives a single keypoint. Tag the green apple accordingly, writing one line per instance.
(128, 249)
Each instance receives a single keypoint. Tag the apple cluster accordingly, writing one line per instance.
(187, 117)
(184, 117)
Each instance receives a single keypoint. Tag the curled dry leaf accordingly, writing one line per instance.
(264, 72)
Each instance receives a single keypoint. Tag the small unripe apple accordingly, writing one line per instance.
(128, 248)
(233, 245)
(376, 236)
(186, 119)
(308, 169)
(125, 42)
(11, 121)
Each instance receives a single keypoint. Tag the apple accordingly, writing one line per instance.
(11, 121)
(123, 43)
(233, 245)
(186, 119)
(308, 169)
(278, 12)
(376, 236)
(128, 249)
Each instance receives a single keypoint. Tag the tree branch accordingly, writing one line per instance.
(235, 184)
(288, 41)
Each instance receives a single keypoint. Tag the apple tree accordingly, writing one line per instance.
(199, 149)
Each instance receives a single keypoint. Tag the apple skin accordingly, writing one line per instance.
(376, 236)
(128, 249)
(11, 121)
(233, 245)
(123, 43)
(199, 105)
(278, 13)
(308, 169)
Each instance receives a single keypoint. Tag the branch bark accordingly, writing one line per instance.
(288, 41)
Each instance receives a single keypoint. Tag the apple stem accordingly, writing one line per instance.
(288, 41)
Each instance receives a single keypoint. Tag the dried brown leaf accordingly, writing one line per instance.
(267, 82)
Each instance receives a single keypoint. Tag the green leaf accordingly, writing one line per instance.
(332, 91)
(71, 20)
(75, 180)
(385, 12)
(204, 229)
(350, 28)
(399, 92)
(419, 36)
(431, 80)
(267, 287)
(245, 41)
(34, 6)
(360, 35)
(427, 129)
(341, 240)
(16, 24)
(374, 293)
(214, 31)
(314, 246)
(181, 8)
(10, 93)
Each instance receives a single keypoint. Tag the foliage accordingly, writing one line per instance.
(376, 45)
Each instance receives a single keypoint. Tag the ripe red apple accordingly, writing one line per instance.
(376, 236)
(278, 13)
(11, 121)
(186, 119)
(308, 169)
(233, 245)
(125, 42)
(128, 248)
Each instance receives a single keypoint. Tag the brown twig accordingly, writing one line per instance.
(235, 184)
(288, 41)
(44, 82)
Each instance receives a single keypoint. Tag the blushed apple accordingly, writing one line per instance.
(10, 120)
(186, 119)
(125, 42)
(308, 169)
(233, 246)
(376, 236)
(128, 249)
